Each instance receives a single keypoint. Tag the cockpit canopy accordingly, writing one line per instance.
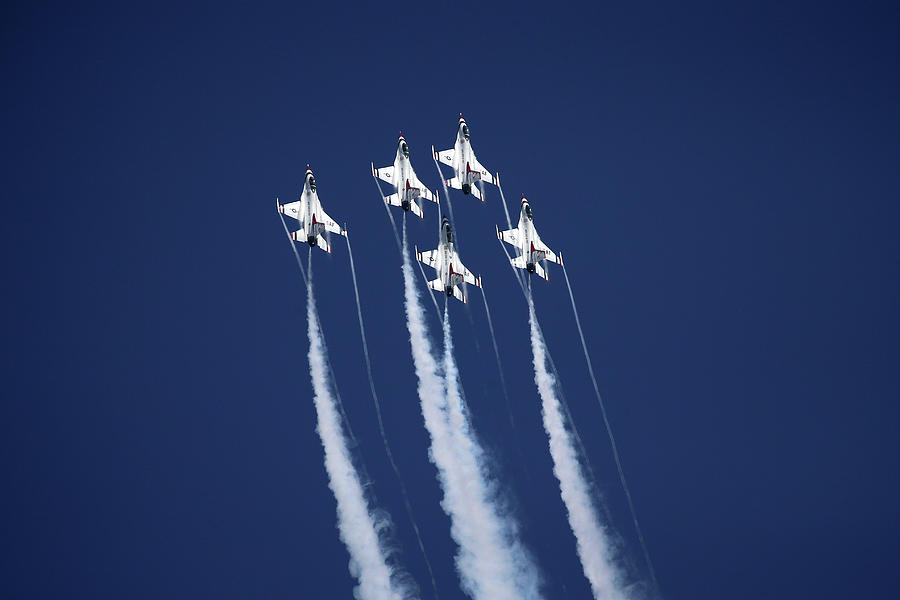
(528, 212)
(312, 183)
(465, 131)
(449, 233)
(404, 149)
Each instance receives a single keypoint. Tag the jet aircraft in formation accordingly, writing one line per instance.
(531, 249)
(467, 170)
(402, 176)
(469, 174)
(450, 270)
(314, 222)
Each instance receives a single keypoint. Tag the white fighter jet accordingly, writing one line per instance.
(531, 249)
(313, 220)
(404, 180)
(445, 260)
(467, 170)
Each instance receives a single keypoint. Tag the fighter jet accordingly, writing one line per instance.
(467, 169)
(445, 260)
(404, 180)
(313, 220)
(532, 250)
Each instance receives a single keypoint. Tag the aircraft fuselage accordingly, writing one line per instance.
(450, 277)
(405, 177)
(527, 235)
(464, 159)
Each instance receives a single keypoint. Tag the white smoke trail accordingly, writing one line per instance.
(388, 209)
(487, 312)
(612, 440)
(518, 276)
(387, 447)
(503, 200)
(340, 402)
(358, 526)
(594, 548)
(294, 248)
(526, 292)
(449, 204)
(491, 562)
(437, 310)
(444, 185)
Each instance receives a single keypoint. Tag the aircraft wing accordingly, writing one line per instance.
(329, 223)
(293, 209)
(384, 173)
(445, 156)
(424, 192)
(539, 245)
(430, 258)
(510, 236)
(485, 174)
(466, 273)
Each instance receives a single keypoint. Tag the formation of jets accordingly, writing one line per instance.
(469, 175)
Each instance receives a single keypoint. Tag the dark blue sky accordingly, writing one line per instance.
(722, 181)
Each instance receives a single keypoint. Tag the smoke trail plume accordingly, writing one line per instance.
(387, 447)
(387, 208)
(593, 544)
(491, 562)
(487, 311)
(358, 525)
(449, 204)
(340, 403)
(612, 440)
(293, 247)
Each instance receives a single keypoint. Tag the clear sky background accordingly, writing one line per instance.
(723, 183)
